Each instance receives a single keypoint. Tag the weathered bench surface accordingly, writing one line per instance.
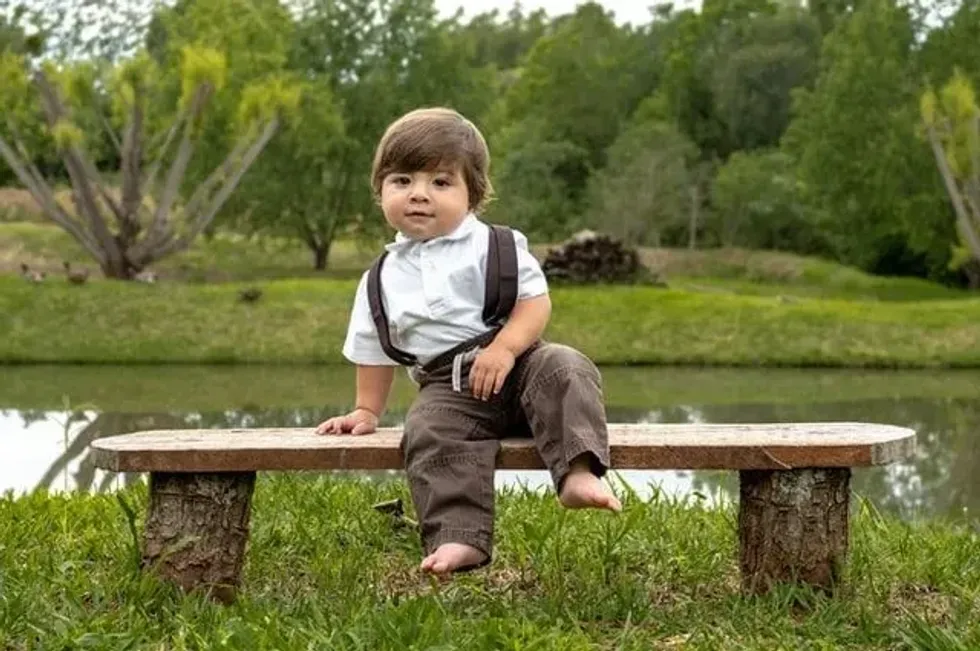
(780, 446)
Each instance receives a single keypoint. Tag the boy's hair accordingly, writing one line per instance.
(428, 138)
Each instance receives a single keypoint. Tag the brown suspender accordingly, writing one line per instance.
(499, 298)
(380, 317)
(501, 292)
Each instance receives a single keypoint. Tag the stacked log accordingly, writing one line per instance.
(589, 257)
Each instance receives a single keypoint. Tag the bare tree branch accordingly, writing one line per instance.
(204, 217)
(81, 183)
(130, 157)
(149, 183)
(159, 231)
(28, 175)
(110, 132)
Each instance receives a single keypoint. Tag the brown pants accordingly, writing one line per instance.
(553, 394)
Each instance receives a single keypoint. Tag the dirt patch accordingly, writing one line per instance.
(17, 204)
(927, 602)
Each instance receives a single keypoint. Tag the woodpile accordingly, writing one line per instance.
(589, 257)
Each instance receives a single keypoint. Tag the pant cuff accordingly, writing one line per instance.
(479, 540)
(598, 461)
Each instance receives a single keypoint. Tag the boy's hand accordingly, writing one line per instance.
(489, 370)
(359, 421)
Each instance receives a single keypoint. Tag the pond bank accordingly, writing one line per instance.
(326, 571)
(303, 321)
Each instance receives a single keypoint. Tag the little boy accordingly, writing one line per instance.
(464, 305)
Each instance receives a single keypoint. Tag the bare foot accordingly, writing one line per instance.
(449, 557)
(583, 490)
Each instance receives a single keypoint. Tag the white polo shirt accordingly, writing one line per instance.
(433, 294)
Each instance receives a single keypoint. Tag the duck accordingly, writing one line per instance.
(249, 294)
(31, 275)
(75, 277)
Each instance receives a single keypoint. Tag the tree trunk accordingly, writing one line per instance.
(197, 530)
(793, 526)
(692, 232)
(321, 253)
(972, 272)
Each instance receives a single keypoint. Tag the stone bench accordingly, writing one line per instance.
(793, 506)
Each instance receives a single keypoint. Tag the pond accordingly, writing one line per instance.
(49, 415)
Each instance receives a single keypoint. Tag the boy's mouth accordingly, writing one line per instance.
(416, 213)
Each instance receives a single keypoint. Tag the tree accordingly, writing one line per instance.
(504, 44)
(255, 37)
(532, 193)
(144, 223)
(757, 205)
(286, 191)
(869, 180)
(952, 123)
(579, 84)
(366, 62)
(642, 196)
(758, 65)
(691, 49)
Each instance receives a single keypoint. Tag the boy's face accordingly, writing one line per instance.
(425, 204)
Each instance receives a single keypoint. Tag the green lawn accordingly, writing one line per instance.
(326, 571)
(722, 308)
(303, 321)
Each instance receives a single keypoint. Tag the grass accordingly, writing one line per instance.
(325, 571)
(303, 321)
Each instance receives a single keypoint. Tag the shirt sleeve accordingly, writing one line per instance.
(531, 281)
(362, 345)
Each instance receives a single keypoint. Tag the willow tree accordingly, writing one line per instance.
(952, 124)
(147, 214)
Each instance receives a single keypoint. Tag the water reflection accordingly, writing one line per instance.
(49, 448)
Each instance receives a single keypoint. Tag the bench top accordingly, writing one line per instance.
(781, 446)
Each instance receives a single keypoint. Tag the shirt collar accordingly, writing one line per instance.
(464, 230)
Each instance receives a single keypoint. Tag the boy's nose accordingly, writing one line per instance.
(418, 192)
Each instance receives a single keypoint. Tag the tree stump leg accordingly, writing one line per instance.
(793, 527)
(197, 530)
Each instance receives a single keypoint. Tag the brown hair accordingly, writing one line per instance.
(427, 138)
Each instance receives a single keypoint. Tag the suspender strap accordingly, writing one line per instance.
(501, 289)
(380, 317)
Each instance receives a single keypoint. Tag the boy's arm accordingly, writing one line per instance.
(525, 325)
(373, 386)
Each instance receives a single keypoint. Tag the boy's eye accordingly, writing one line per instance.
(443, 182)
(399, 180)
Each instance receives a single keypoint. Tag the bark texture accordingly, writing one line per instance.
(793, 527)
(197, 530)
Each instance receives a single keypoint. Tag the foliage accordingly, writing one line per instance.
(575, 89)
(822, 98)
(863, 169)
(952, 121)
(758, 205)
(137, 109)
(757, 65)
(643, 195)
